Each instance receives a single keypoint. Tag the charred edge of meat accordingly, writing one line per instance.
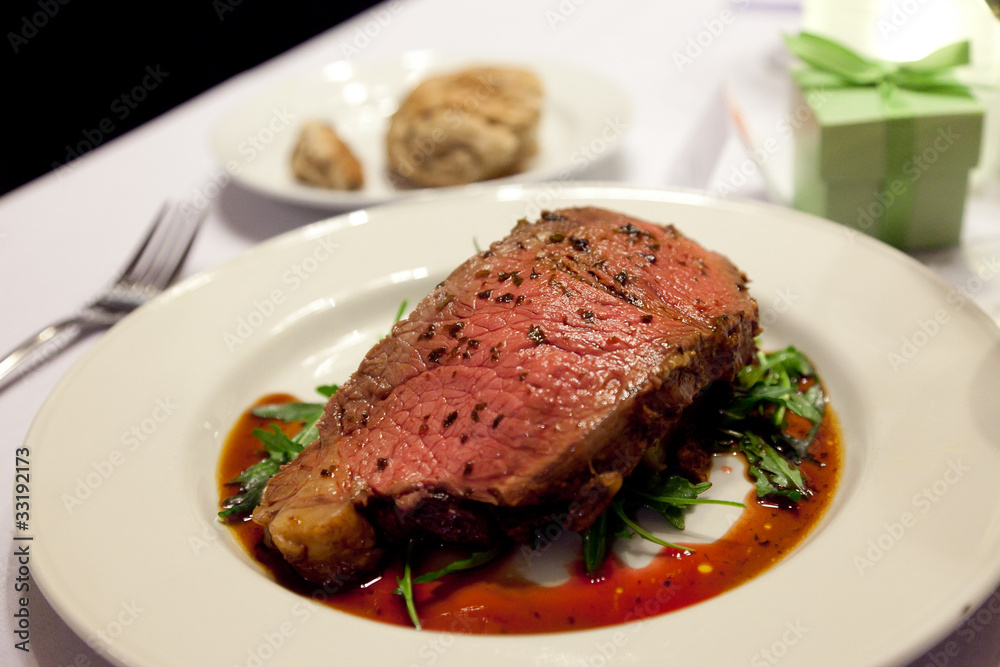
(572, 489)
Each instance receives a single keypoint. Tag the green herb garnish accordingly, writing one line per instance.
(752, 419)
(755, 420)
(473, 561)
(399, 316)
(404, 584)
(405, 588)
(771, 386)
(252, 481)
(669, 497)
(775, 475)
(289, 412)
(596, 543)
(632, 528)
(672, 496)
(281, 449)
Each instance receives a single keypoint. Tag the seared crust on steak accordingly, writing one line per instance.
(524, 388)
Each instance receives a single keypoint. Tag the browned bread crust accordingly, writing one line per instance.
(464, 127)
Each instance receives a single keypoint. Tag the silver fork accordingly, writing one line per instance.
(156, 263)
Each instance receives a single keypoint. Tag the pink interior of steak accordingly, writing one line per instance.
(532, 373)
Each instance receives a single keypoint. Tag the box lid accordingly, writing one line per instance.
(860, 133)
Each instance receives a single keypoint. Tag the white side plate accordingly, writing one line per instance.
(583, 118)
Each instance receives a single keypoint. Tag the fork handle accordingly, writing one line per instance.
(45, 345)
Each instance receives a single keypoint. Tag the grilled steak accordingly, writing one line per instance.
(522, 389)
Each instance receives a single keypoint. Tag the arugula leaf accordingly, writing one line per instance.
(815, 397)
(670, 497)
(773, 473)
(753, 419)
(289, 412)
(252, 481)
(327, 390)
(804, 406)
(399, 313)
(405, 588)
(770, 382)
(675, 495)
(280, 448)
(399, 316)
(473, 561)
(596, 543)
(634, 528)
(404, 585)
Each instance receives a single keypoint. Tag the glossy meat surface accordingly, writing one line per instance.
(522, 389)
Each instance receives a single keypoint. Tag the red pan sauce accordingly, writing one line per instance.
(497, 599)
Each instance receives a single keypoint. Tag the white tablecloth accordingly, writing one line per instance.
(63, 236)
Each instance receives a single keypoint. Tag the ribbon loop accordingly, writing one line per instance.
(832, 57)
(932, 73)
(947, 57)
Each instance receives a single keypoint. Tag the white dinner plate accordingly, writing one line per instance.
(584, 116)
(126, 447)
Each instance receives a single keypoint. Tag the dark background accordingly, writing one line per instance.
(67, 63)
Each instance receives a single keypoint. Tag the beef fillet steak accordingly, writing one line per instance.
(520, 391)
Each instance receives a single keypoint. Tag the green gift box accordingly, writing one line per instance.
(889, 157)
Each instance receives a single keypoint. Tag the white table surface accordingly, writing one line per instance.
(63, 236)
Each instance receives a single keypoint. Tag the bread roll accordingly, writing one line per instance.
(468, 126)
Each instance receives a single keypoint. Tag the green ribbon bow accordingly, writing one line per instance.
(833, 65)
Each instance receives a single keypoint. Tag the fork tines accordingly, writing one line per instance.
(162, 253)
